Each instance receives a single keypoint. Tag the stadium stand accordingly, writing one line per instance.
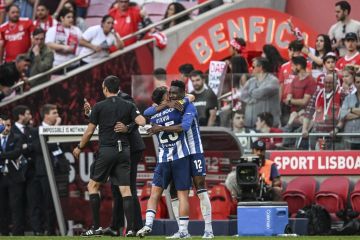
(299, 193)
(333, 194)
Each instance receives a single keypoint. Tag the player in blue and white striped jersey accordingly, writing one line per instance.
(173, 163)
(197, 160)
(172, 146)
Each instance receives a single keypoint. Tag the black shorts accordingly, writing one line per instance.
(112, 163)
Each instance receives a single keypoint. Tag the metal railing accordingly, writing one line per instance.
(295, 135)
(141, 31)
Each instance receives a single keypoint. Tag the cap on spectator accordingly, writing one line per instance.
(258, 145)
(23, 57)
(351, 36)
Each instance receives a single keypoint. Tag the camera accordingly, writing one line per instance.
(248, 179)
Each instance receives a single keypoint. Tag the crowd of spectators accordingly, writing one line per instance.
(293, 95)
(61, 24)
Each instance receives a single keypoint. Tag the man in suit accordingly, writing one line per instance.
(22, 117)
(12, 181)
(44, 208)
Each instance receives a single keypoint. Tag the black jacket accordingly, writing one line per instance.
(12, 152)
(136, 142)
(29, 138)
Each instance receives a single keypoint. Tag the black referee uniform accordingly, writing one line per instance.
(137, 147)
(113, 162)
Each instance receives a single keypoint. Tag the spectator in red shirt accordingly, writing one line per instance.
(81, 7)
(352, 55)
(43, 18)
(15, 35)
(302, 88)
(329, 61)
(286, 77)
(127, 19)
(323, 110)
(264, 124)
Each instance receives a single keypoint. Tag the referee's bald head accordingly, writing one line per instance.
(112, 83)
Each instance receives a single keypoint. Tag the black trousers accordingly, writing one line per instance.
(118, 211)
(42, 211)
(12, 206)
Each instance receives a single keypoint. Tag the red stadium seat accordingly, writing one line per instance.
(299, 193)
(161, 211)
(221, 202)
(333, 194)
(355, 197)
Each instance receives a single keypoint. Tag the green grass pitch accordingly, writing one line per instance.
(195, 237)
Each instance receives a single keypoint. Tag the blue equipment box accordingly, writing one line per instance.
(262, 218)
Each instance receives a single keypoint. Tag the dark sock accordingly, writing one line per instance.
(129, 212)
(117, 211)
(95, 208)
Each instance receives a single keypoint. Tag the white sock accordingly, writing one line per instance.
(183, 224)
(205, 206)
(149, 217)
(175, 208)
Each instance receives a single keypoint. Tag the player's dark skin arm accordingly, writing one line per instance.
(157, 128)
(170, 104)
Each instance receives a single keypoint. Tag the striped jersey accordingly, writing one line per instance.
(193, 134)
(172, 146)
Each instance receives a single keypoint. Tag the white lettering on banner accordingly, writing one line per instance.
(268, 219)
(216, 75)
(294, 162)
(323, 162)
(199, 103)
(338, 162)
(238, 27)
(202, 51)
(61, 130)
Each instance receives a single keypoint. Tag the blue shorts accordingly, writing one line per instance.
(198, 164)
(177, 171)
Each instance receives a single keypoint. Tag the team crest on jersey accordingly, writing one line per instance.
(21, 27)
(128, 19)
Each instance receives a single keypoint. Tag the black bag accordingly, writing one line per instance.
(319, 219)
(351, 224)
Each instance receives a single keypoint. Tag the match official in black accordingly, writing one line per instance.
(137, 147)
(114, 152)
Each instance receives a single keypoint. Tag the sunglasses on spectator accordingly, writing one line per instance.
(344, 28)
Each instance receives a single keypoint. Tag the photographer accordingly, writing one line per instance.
(268, 172)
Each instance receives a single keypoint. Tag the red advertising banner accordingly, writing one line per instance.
(317, 163)
(257, 26)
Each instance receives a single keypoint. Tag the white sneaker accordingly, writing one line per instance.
(208, 235)
(184, 235)
(174, 236)
(144, 231)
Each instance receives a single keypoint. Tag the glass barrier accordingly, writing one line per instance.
(250, 104)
